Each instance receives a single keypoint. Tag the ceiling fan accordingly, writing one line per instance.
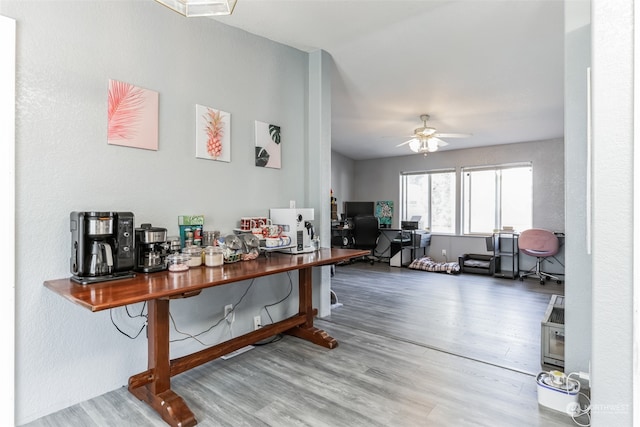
(426, 139)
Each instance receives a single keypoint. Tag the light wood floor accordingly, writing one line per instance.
(493, 320)
(386, 370)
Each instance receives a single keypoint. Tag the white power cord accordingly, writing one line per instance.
(586, 410)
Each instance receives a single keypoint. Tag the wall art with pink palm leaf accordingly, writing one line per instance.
(213, 134)
(132, 116)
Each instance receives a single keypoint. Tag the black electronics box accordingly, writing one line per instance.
(409, 225)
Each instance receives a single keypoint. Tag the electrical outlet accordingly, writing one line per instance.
(257, 323)
(444, 252)
(229, 315)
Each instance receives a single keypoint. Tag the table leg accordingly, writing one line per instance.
(305, 307)
(154, 385)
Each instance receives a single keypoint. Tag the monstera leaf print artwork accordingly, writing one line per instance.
(268, 145)
(132, 116)
(213, 134)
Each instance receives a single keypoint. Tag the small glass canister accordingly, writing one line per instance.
(178, 262)
(195, 255)
(213, 256)
(315, 242)
(210, 238)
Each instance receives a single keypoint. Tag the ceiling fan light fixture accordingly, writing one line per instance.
(420, 145)
(424, 131)
(427, 139)
(195, 8)
(414, 145)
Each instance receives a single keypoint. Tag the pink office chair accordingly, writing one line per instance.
(539, 243)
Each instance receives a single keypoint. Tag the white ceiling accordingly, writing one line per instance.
(493, 69)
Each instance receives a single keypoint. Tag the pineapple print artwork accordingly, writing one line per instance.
(212, 134)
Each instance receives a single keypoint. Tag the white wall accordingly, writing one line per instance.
(612, 362)
(342, 170)
(66, 53)
(379, 179)
(319, 164)
(7, 216)
(578, 286)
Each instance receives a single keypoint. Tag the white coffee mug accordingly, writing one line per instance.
(285, 240)
(272, 242)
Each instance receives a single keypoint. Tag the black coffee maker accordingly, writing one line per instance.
(101, 246)
(152, 248)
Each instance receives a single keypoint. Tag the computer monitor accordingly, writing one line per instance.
(353, 209)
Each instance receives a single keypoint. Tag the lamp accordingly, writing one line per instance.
(415, 145)
(191, 8)
(423, 145)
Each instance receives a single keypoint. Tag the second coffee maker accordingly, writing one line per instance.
(152, 248)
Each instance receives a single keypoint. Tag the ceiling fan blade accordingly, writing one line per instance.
(440, 142)
(452, 135)
(405, 143)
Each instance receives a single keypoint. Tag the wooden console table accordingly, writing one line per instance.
(154, 385)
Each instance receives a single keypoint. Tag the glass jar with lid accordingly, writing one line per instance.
(195, 255)
(178, 262)
(213, 256)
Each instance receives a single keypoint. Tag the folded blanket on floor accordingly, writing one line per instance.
(427, 264)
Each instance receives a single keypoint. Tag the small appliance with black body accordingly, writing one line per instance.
(102, 246)
(152, 248)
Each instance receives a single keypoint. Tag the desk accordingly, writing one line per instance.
(407, 245)
(154, 385)
(383, 250)
(343, 238)
(389, 248)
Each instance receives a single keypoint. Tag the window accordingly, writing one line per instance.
(432, 196)
(497, 196)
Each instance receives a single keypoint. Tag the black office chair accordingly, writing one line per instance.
(366, 232)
